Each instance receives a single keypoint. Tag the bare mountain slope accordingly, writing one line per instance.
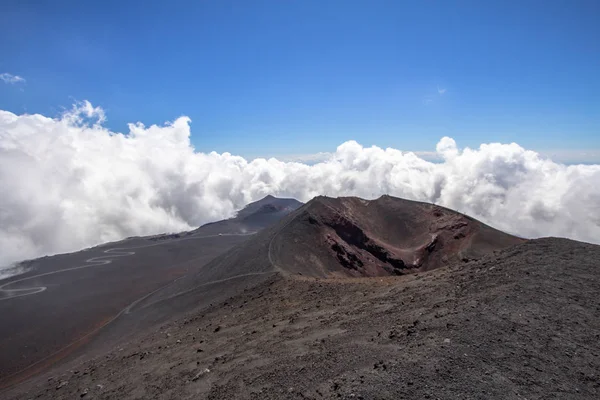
(501, 321)
(349, 236)
(520, 323)
(80, 303)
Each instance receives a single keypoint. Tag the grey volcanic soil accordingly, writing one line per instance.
(76, 302)
(88, 308)
(523, 322)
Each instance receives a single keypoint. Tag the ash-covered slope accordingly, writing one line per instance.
(233, 270)
(349, 236)
(520, 323)
(84, 302)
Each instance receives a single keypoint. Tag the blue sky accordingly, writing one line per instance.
(280, 78)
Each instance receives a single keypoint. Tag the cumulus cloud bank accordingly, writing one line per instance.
(68, 183)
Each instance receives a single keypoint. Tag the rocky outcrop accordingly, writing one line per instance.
(367, 250)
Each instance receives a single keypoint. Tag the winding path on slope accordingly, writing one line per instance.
(32, 369)
(6, 294)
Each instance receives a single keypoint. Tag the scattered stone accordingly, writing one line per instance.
(199, 374)
(62, 384)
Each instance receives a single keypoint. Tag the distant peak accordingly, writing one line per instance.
(268, 203)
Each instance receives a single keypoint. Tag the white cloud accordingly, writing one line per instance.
(11, 79)
(69, 183)
(441, 91)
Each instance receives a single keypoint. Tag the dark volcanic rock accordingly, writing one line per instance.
(387, 236)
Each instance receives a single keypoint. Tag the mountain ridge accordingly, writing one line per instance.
(349, 236)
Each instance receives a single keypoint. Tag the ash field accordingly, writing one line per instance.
(335, 298)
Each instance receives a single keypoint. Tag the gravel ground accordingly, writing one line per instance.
(523, 323)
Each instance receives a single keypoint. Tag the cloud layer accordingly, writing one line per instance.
(68, 183)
